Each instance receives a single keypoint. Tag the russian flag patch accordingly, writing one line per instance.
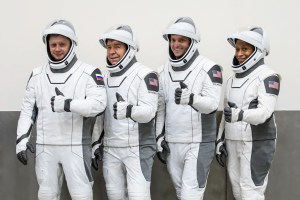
(99, 77)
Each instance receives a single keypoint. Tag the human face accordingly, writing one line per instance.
(115, 50)
(179, 45)
(243, 50)
(59, 46)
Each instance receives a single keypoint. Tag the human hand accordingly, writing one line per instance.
(97, 155)
(162, 150)
(22, 151)
(182, 95)
(59, 103)
(233, 113)
(122, 109)
(221, 152)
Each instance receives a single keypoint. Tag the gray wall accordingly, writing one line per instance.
(22, 24)
(18, 182)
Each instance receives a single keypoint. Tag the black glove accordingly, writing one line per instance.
(22, 155)
(59, 103)
(122, 109)
(183, 96)
(98, 155)
(162, 150)
(221, 152)
(233, 113)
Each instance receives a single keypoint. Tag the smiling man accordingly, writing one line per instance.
(63, 96)
(129, 139)
(179, 45)
(189, 94)
(59, 46)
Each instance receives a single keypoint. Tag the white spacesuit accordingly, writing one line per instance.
(250, 129)
(129, 132)
(189, 94)
(65, 97)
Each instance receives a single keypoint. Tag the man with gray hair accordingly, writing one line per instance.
(129, 131)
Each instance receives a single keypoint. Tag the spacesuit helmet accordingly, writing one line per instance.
(255, 36)
(184, 26)
(64, 28)
(126, 35)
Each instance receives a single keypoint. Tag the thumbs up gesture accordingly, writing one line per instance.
(59, 103)
(233, 113)
(121, 108)
(183, 95)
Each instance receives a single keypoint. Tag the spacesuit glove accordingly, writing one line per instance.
(97, 155)
(21, 150)
(59, 103)
(183, 96)
(221, 152)
(233, 113)
(122, 109)
(162, 150)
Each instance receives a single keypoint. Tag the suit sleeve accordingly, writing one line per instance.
(208, 99)
(161, 109)
(145, 109)
(95, 101)
(268, 91)
(98, 131)
(28, 113)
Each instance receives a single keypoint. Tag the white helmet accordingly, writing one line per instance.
(125, 34)
(255, 36)
(65, 28)
(184, 26)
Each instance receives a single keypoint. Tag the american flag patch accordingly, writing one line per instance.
(99, 77)
(153, 81)
(274, 85)
(217, 74)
